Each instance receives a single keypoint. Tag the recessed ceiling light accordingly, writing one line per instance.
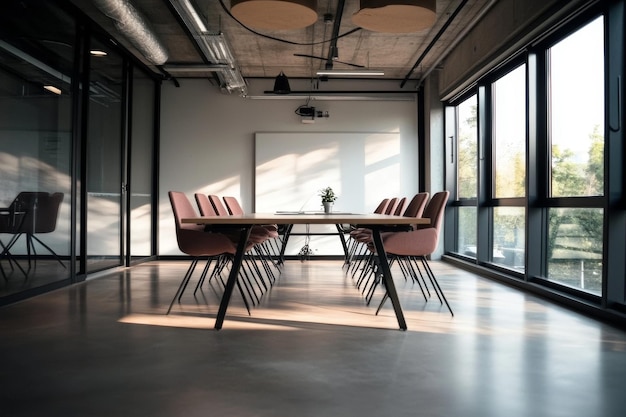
(96, 52)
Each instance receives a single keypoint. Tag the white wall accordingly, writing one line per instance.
(207, 139)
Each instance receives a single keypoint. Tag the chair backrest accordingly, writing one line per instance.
(48, 213)
(182, 208)
(391, 207)
(219, 207)
(382, 206)
(204, 205)
(416, 205)
(232, 205)
(25, 207)
(400, 207)
(435, 208)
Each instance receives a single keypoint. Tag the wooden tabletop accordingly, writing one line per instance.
(307, 218)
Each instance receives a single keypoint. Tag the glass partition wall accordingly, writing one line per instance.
(64, 163)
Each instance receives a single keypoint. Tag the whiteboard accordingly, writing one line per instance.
(291, 169)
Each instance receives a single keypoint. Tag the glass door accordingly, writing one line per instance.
(141, 167)
(104, 158)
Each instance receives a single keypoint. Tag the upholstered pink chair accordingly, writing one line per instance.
(416, 206)
(356, 249)
(419, 243)
(194, 241)
(400, 207)
(204, 205)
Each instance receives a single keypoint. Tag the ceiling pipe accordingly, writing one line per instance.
(332, 48)
(433, 41)
(135, 28)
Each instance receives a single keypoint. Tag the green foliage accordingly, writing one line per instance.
(570, 178)
(595, 166)
(327, 194)
(468, 157)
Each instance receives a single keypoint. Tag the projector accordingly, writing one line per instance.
(309, 114)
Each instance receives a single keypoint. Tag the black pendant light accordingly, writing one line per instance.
(281, 85)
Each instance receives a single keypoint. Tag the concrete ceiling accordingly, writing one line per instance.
(406, 57)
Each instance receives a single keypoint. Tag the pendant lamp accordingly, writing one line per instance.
(275, 14)
(281, 85)
(395, 16)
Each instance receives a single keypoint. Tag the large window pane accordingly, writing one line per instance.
(509, 95)
(575, 247)
(467, 148)
(576, 88)
(509, 237)
(467, 231)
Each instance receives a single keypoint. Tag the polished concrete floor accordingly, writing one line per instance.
(311, 348)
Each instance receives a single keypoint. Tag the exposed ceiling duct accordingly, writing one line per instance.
(135, 28)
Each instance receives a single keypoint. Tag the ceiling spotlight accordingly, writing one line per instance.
(275, 14)
(395, 16)
(281, 85)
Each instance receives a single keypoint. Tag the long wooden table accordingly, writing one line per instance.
(376, 222)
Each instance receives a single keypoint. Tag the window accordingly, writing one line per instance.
(532, 201)
(576, 109)
(576, 134)
(509, 133)
(467, 175)
(509, 166)
(468, 148)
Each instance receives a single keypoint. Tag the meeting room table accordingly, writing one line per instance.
(376, 222)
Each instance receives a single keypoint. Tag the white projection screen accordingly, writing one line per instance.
(291, 168)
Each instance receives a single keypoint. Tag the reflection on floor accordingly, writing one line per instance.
(311, 348)
(40, 272)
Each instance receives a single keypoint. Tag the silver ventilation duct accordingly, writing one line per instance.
(135, 28)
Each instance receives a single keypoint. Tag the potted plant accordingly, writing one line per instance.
(328, 198)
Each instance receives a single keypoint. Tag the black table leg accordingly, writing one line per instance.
(387, 278)
(233, 276)
(286, 235)
(344, 245)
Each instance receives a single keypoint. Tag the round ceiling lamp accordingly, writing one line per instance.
(395, 16)
(275, 14)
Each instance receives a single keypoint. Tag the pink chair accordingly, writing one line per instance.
(194, 241)
(391, 207)
(415, 208)
(356, 250)
(399, 211)
(218, 206)
(204, 205)
(232, 205)
(420, 243)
